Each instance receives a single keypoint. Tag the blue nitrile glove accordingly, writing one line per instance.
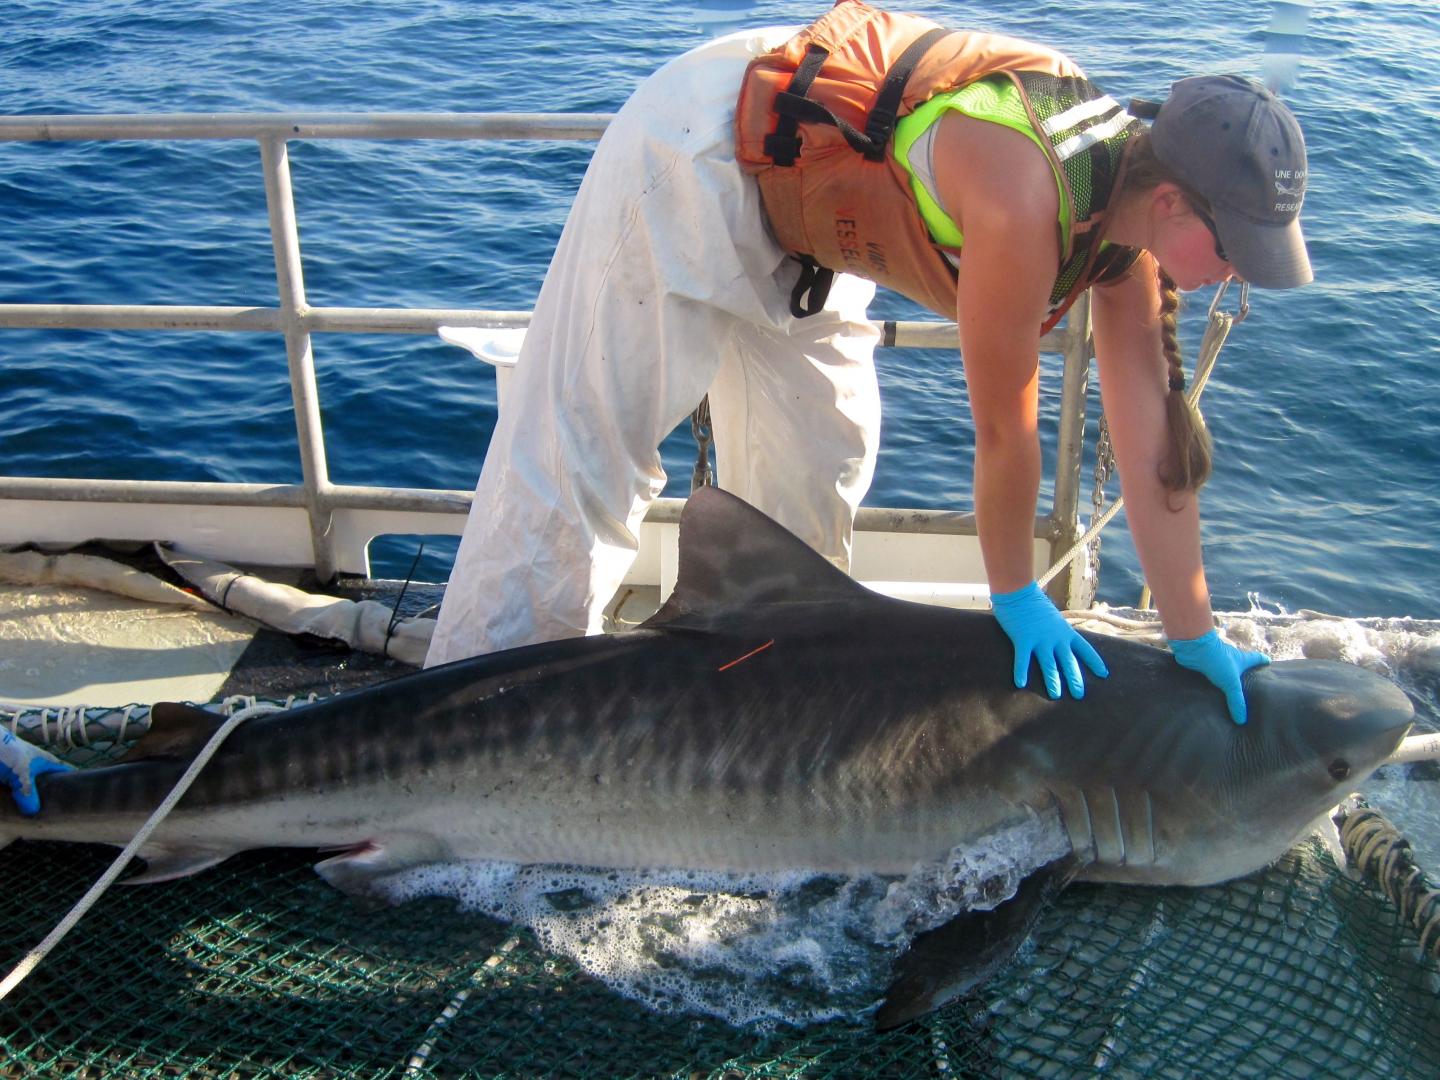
(1038, 629)
(20, 763)
(1221, 663)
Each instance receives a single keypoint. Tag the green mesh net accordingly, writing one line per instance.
(259, 969)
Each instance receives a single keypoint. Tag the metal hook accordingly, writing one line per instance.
(1244, 307)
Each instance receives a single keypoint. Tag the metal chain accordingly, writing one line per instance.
(1104, 466)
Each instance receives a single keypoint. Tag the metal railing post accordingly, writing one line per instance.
(285, 236)
(1072, 588)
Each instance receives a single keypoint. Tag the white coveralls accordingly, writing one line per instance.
(666, 284)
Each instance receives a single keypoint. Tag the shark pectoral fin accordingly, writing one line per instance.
(164, 863)
(956, 957)
(356, 869)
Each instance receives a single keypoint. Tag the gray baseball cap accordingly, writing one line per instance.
(1239, 147)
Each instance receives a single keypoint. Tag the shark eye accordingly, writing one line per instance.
(1339, 768)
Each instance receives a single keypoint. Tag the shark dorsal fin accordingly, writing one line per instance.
(177, 732)
(734, 557)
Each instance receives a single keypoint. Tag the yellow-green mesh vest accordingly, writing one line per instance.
(1082, 128)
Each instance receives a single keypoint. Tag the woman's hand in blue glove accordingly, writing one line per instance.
(1038, 629)
(1221, 663)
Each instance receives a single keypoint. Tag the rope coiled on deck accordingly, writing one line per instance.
(1375, 847)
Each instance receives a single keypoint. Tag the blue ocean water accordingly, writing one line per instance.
(1324, 405)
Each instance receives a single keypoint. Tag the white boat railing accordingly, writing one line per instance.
(329, 526)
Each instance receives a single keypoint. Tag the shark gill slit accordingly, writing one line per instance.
(1119, 824)
(1150, 824)
(1089, 822)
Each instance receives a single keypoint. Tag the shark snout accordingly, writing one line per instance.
(1336, 708)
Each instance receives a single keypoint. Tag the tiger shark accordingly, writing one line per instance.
(772, 715)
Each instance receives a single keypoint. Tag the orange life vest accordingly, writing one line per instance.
(836, 197)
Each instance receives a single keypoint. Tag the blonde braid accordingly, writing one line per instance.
(1187, 463)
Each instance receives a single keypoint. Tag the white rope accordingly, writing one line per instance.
(76, 726)
(1081, 544)
(1100, 621)
(1375, 847)
(1122, 623)
(86, 902)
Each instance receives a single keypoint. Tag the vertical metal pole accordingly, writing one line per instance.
(1072, 589)
(284, 235)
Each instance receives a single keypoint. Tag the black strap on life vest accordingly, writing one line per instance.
(812, 289)
(795, 108)
(783, 147)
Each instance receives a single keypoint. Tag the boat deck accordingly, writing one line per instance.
(76, 646)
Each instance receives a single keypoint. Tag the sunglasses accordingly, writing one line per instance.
(1209, 223)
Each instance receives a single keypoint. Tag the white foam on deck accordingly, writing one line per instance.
(752, 949)
(61, 645)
